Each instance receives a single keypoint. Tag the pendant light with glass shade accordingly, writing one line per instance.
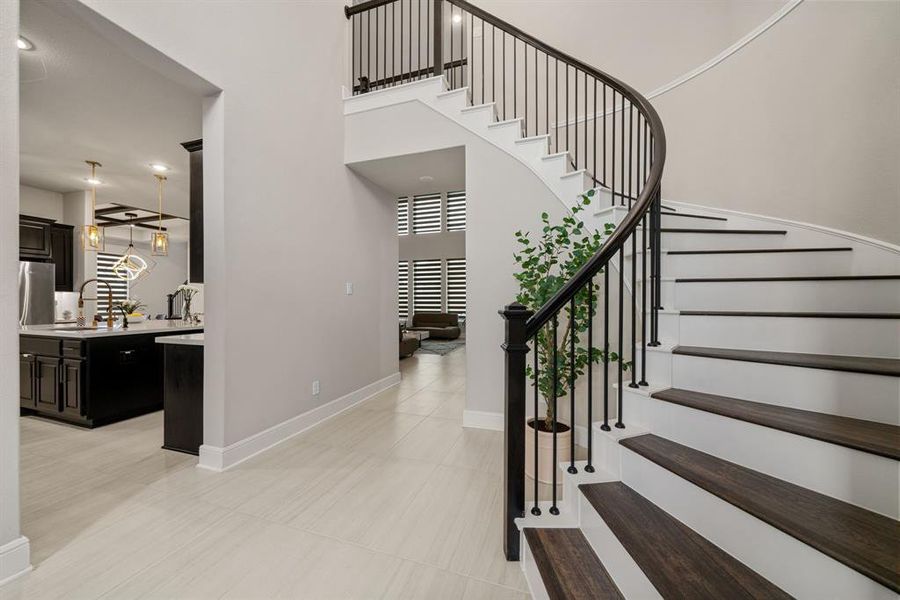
(91, 235)
(130, 266)
(159, 239)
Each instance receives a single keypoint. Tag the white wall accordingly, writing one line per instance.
(14, 553)
(447, 244)
(802, 123)
(275, 270)
(36, 202)
(166, 274)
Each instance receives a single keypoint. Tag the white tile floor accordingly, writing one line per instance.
(392, 499)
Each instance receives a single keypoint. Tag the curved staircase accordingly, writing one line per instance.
(754, 451)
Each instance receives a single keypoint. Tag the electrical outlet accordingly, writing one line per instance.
(315, 387)
(349, 288)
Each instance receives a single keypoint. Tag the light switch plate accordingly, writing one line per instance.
(315, 388)
(349, 288)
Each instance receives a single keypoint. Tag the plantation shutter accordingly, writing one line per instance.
(403, 290)
(427, 213)
(427, 286)
(105, 262)
(456, 286)
(402, 216)
(456, 211)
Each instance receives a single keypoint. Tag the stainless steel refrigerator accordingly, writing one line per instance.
(37, 284)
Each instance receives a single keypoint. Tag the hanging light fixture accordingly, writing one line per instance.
(130, 266)
(91, 235)
(159, 239)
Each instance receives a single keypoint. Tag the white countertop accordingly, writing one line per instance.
(188, 339)
(72, 332)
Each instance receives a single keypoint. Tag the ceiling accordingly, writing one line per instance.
(402, 175)
(82, 97)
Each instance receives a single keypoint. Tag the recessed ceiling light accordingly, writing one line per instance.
(426, 178)
(93, 181)
(24, 44)
(159, 167)
(457, 18)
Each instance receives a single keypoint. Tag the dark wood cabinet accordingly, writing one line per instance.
(183, 398)
(34, 238)
(72, 382)
(47, 385)
(62, 249)
(27, 378)
(92, 381)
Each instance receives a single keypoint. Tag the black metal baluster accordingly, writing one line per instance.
(621, 388)
(525, 49)
(612, 152)
(494, 65)
(572, 470)
(547, 94)
(374, 83)
(605, 426)
(515, 87)
(622, 162)
(401, 41)
(553, 509)
(612, 198)
(589, 467)
(634, 256)
(483, 31)
(503, 76)
(596, 175)
(567, 109)
(586, 124)
(353, 55)
(537, 110)
(556, 105)
(576, 119)
(410, 41)
(535, 510)
(642, 149)
(428, 27)
(452, 66)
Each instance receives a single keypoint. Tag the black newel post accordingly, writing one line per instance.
(515, 349)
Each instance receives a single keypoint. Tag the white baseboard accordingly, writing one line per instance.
(220, 459)
(477, 419)
(15, 559)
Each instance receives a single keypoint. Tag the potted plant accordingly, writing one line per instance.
(545, 265)
(129, 308)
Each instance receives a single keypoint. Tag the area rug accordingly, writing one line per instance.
(441, 347)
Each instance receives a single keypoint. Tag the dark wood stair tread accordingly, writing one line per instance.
(794, 314)
(870, 365)
(722, 231)
(861, 539)
(679, 562)
(693, 216)
(568, 566)
(758, 250)
(867, 436)
(788, 278)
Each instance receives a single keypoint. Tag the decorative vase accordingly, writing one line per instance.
(186, 316)
(546, 461)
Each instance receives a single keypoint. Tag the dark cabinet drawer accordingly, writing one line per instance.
(40, 346)
(72, 348)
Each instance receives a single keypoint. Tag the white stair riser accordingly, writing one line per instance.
(477, 119)
(780, 558)
(721, 241)
(667, 287)
(554, 167)
(452, 102)
(425, 90)
(627, 575)
(842, 295)
(573, 186)
(857, 395)
(756, 265)
(692, 223)
(862, 337)
(850, 475)
(531, 151)
(659, 366)
(505, 134)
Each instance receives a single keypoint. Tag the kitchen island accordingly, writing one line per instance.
(93, 376)
(182, 392)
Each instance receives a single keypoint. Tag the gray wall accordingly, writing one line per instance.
(803, 123)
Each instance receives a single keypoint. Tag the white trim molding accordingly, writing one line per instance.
(213, 458)
(15, 559)
(477, 419)
(703, 68)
